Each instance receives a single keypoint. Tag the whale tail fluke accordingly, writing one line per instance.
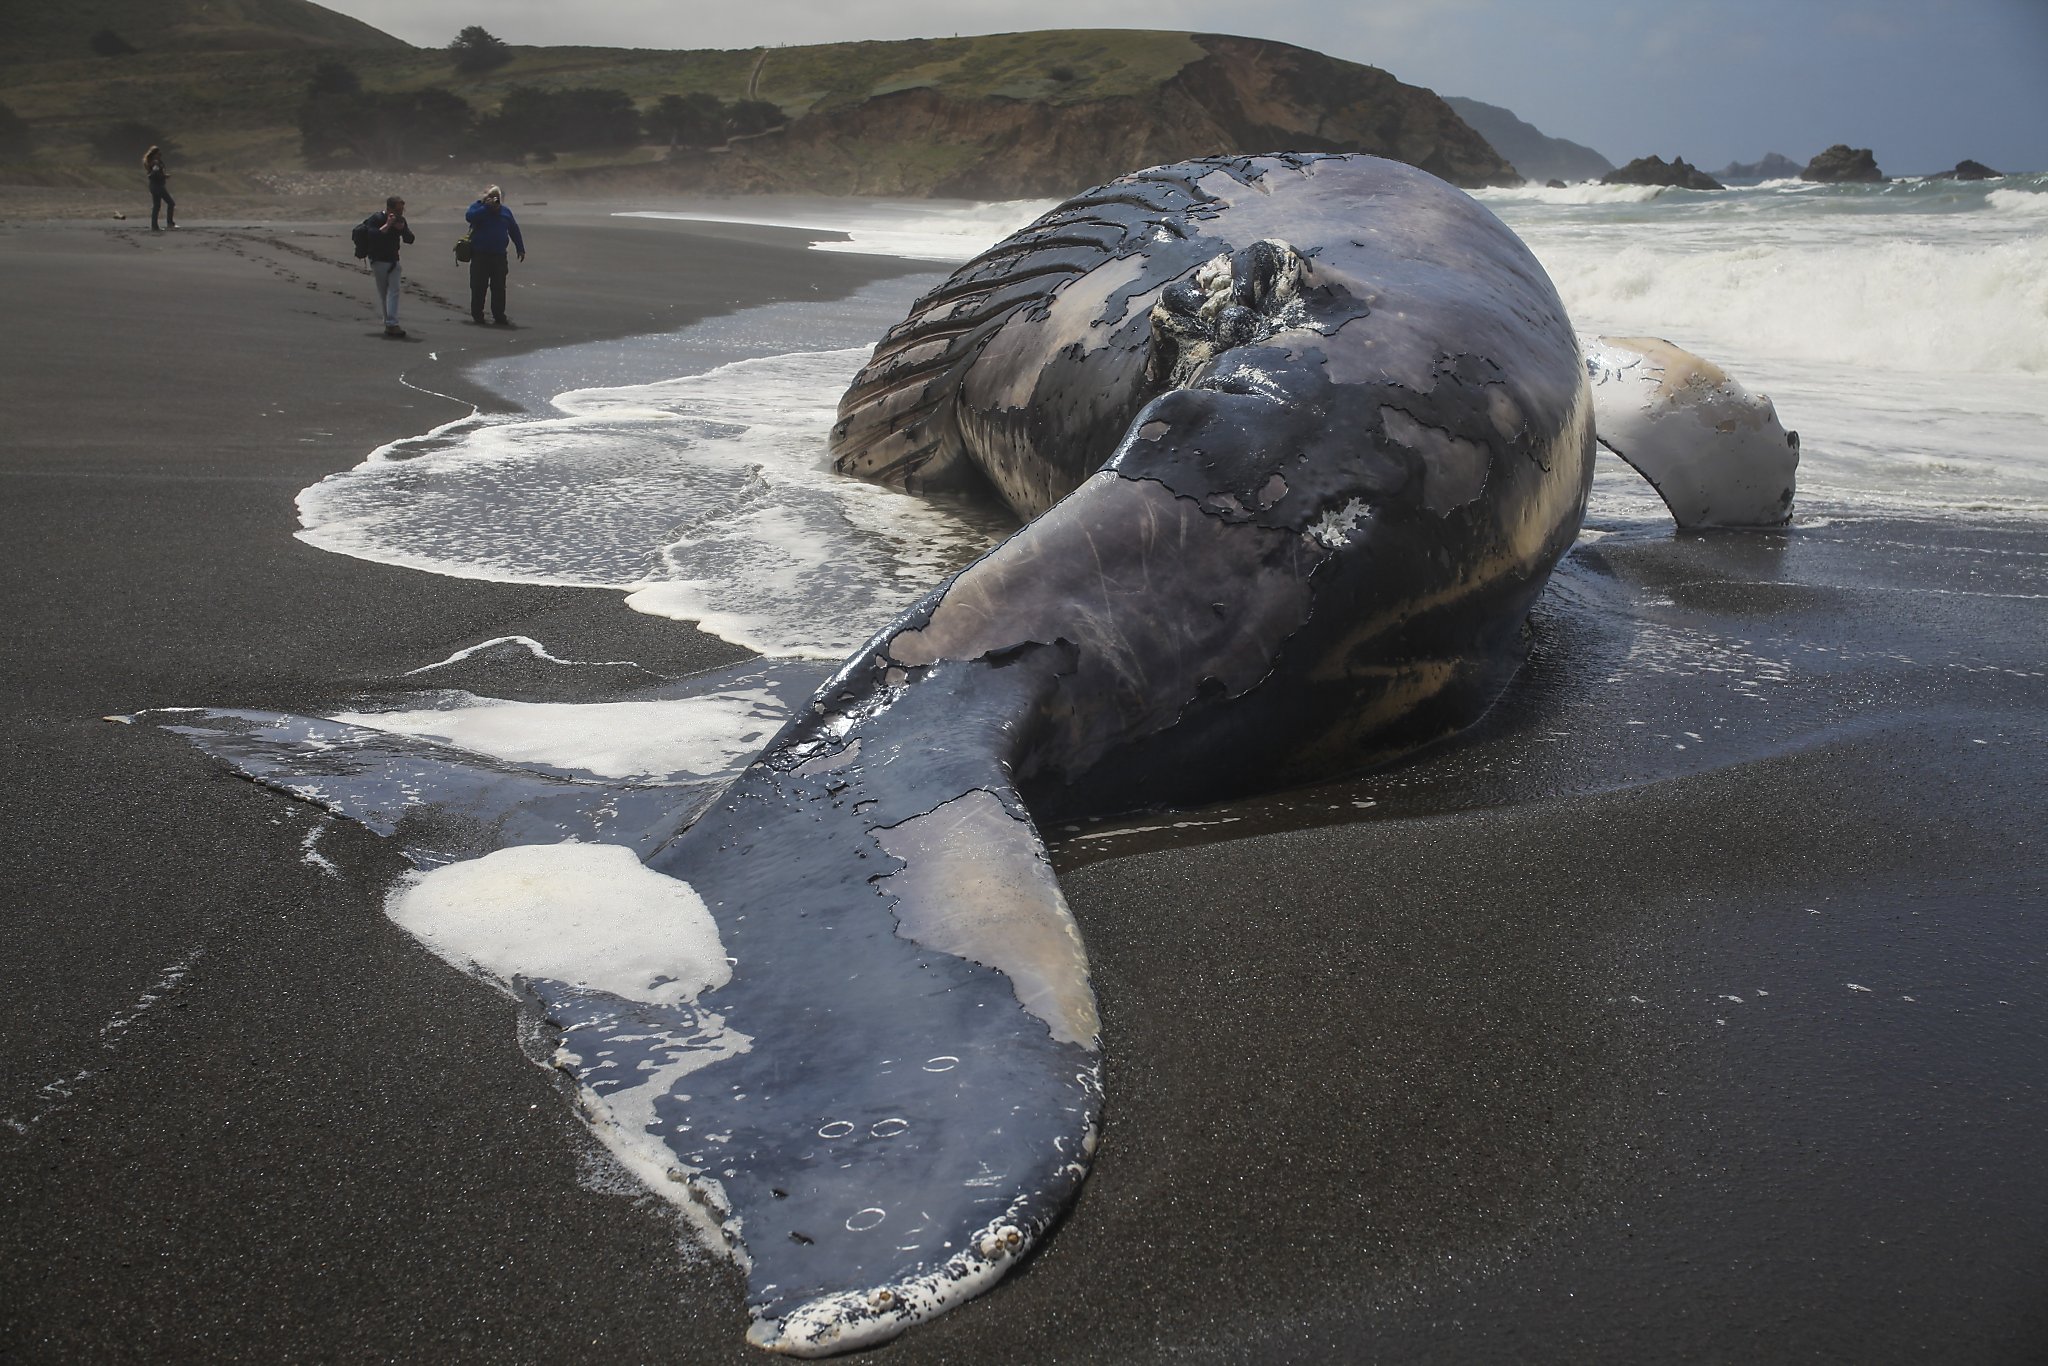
(916, 1102)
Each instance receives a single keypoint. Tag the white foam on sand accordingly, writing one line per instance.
(708, 498)
(588, 914)
(697, 737)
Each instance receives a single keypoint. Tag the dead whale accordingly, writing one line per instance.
(1299, 439)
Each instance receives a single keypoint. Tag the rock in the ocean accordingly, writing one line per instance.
(1967, 169)
(1774, 166)
(1842, 164)
(1678, 173)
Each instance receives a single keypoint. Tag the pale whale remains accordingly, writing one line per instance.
(1299, 439)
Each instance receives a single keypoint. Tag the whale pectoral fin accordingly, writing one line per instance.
(1716, 453)
(915, 1100)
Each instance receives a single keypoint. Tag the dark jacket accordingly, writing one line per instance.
(384, 245)
(488, 231)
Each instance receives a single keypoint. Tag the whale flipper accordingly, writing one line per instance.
(1715, 452)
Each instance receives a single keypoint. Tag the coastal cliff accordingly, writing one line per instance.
(1233, 95)
(1017, 115)
(1536, 154)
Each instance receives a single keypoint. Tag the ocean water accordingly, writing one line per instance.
(1901, 328)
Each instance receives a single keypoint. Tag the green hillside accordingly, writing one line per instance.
(45, 32)
(232, 111)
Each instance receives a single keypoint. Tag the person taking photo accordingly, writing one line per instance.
(492, 232)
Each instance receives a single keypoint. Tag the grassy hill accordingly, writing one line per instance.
(40, 32)
(233, 111)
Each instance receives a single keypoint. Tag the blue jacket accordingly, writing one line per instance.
(488, 231)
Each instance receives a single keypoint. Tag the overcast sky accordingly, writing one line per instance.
(1924, 83)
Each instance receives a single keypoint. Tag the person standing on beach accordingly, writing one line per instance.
(384, 232)
(492, 231)
(159, 188)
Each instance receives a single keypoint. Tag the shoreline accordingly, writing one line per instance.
(1368, 1096)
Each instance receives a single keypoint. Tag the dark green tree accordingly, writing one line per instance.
(333, 100)
(477, 50)
(385, 130)
(533, 119)
(753, 116)
(693, 120)
(108, 43)
(331, 77)
(16, 138)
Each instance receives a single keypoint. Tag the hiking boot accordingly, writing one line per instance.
(394, 330)
(502, 322)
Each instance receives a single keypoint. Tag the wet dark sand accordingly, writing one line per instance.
(1455, 1077)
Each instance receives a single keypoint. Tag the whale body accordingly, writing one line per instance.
(1296, 441)
(1300, 439)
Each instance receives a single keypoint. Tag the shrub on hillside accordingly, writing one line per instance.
(477, 50)
(753, 116)
(693, 120)
(703, 120)
(331, 77)
(536, 120)
(384, 130)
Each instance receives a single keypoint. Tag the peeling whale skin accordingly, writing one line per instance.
(1299, 439)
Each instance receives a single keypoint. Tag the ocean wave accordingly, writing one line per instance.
(1585, 192)
(2032, 202)
(1894, 303)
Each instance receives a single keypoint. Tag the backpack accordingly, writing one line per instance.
(360, 235)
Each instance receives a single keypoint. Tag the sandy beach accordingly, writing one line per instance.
(1554, 1046)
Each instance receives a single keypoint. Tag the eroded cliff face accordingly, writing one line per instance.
(1242, 96)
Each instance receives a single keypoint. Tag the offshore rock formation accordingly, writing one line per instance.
(1843, 164)
(1678, 174)
(1774, 166)
(1967, 169)
(1238, 95)
(1534, 153)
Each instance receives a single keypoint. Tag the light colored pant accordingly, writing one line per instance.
(385, 273)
